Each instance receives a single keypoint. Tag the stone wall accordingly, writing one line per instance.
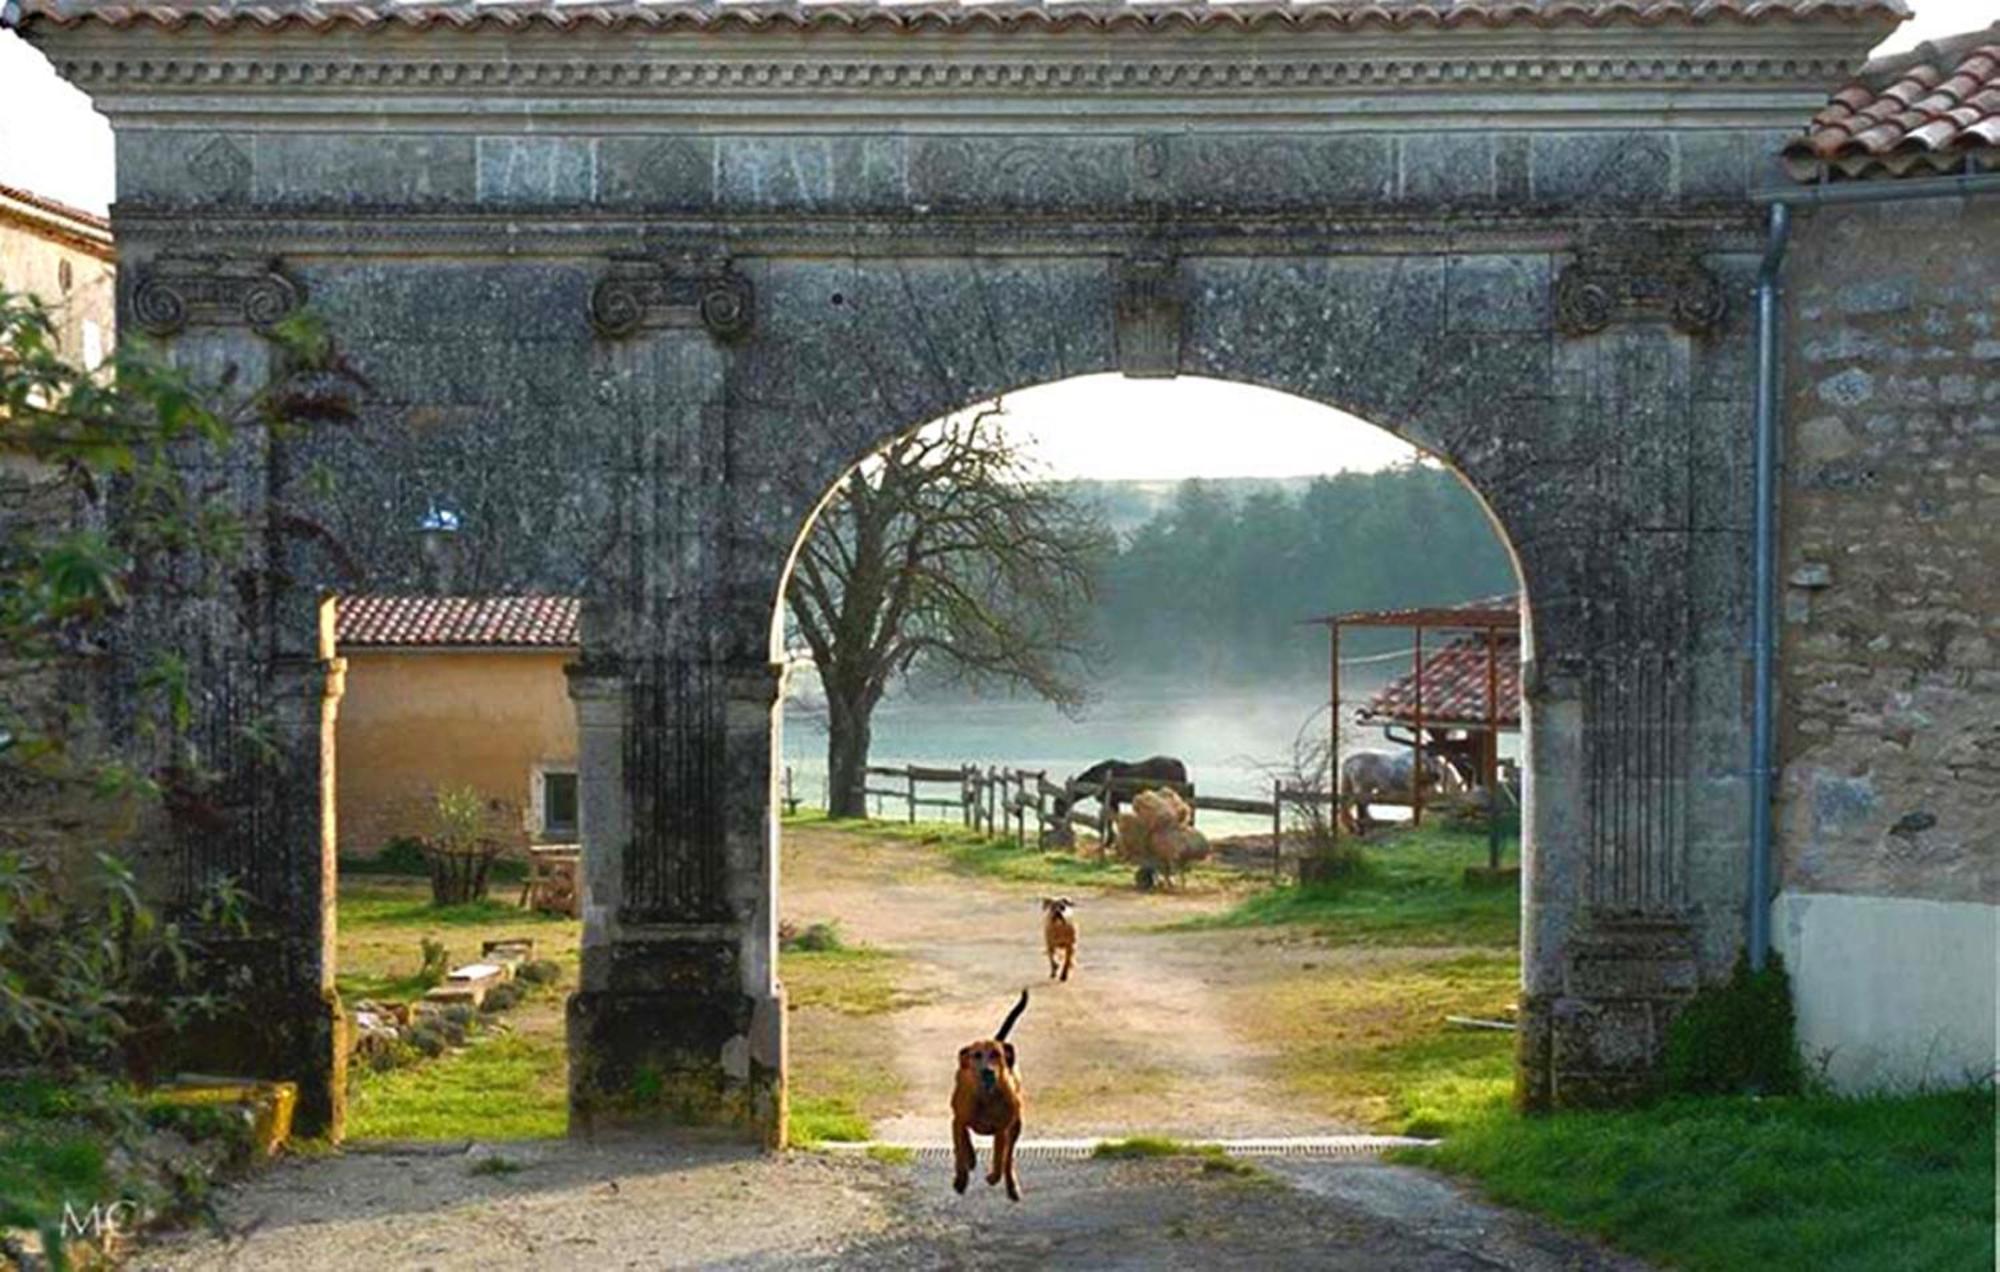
(1890, 662)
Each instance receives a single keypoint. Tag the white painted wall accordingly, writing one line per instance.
(1896, 992)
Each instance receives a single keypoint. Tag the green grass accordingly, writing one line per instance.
(47, 1157)
(892, 1154)
(1410, 892)
(1213, 1160)
(392, 902)
(1370, 1044)
(1814, 1183)
(859, 980)
(819, 1119)
(499, 1087)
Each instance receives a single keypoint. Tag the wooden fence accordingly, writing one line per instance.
(1001, 801)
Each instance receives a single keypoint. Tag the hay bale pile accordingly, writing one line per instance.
(1158, 836)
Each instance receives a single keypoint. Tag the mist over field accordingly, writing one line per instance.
(1204, 649)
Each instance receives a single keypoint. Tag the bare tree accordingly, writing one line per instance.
(941, 553)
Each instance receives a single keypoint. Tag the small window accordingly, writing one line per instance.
(64, 278)
(558, 805)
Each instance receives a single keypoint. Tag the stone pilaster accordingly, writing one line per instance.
(679, 1019)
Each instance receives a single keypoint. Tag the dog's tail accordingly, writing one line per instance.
(1012, 1016)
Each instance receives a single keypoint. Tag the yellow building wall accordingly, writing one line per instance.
(85, 312)
(413, 721)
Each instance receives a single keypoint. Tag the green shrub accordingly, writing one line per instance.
(91, 977)
(437, 963)
(543, 971)
(403, 855)
(502, 996)
(817, 937)
(1737, 1038)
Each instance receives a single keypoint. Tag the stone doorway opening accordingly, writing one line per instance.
(898, 934)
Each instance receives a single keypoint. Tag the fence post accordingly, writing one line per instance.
(1277, 828)
(910, 788)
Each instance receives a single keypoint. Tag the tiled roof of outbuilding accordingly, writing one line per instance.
(1934, 109)
(912, 14)
(1455, 687)
(455, 621)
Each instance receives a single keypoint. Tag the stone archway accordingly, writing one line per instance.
(614, 270)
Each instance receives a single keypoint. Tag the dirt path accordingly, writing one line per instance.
(1140, 1040)
(648, 1206)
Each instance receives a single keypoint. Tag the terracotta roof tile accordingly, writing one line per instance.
(1454, 687)
(458, 621)
(1936, 109)
(909, 14)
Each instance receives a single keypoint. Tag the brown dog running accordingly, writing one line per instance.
(1059, 933)
(987, 1100)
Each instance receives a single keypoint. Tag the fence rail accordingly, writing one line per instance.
(996, 800)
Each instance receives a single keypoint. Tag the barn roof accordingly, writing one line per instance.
(1934, 109)
(456, 622)
(1487, 611)
(790, 15)
(1455, 687)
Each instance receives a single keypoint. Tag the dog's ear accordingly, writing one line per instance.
(1008, 1047)
(965, 1057)
(1048, 903)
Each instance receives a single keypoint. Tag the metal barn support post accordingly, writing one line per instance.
(1490, 758)
(1417, 769)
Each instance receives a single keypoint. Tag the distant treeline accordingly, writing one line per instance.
(1215, 582)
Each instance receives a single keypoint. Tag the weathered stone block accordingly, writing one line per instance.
(956, 174)
(669, 173)
(1631, 959)
(1448, 168)
(1601, 168)
(1589, 1037)
(1714, 166)
(363, 171)
(812, 174)
(1497, 293)
(536, 170)
(1255, 171)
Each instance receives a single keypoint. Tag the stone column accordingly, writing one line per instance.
(249, 779)
(679, 1019)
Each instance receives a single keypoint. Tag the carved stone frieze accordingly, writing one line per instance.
(1638, 282)
(685, 291)
(176, 291)
(1149, 315)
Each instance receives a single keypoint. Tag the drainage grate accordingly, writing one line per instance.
(1071, 1150)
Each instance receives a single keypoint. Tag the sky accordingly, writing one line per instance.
(53, 143)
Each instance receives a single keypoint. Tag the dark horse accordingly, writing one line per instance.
(1155, 768)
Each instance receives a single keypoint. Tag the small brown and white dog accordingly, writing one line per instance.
(987, 1100)
(1059, 933)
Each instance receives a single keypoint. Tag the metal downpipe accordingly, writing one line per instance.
(1764, 638)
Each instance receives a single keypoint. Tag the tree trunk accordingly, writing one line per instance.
(848, 734)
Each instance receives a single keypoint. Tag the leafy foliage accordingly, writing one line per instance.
(1738, 1038)
(87, 978)
(940, 554)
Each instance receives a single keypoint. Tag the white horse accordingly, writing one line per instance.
(1383, 777)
